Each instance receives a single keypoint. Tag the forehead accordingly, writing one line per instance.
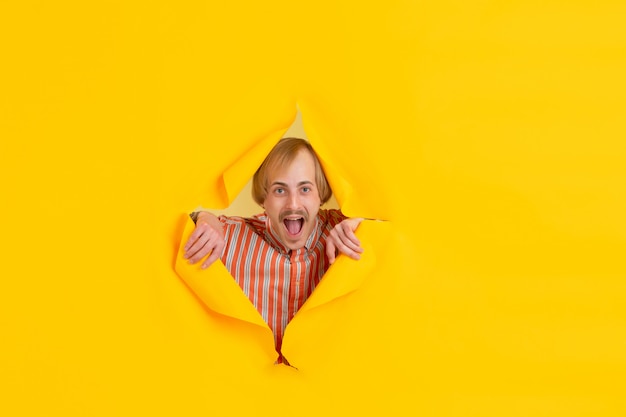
(300, 168)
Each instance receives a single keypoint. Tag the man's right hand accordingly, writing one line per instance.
(206, 239)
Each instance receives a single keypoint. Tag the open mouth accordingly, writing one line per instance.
(293, 225)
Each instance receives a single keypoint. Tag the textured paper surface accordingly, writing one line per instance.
(488, 135)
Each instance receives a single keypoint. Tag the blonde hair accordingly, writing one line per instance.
(283, 153)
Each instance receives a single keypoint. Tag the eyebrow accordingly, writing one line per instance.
(284, 184)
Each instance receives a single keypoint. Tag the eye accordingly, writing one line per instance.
(279, 190)
(306, 189)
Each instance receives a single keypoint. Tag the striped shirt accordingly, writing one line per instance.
(276, 279)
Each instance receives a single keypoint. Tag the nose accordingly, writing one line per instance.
(294, 201)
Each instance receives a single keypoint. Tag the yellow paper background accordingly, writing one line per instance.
(489, 135)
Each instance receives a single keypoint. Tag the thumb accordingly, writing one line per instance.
(330, 251)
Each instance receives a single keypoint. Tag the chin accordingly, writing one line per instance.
(294, 245)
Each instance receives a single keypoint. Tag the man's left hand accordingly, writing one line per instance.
(343, 240)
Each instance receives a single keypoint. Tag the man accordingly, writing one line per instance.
(279, 257)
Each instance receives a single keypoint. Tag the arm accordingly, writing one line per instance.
(343, 240)
(207, 239)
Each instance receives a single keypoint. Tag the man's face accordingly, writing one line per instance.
(293, 200)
